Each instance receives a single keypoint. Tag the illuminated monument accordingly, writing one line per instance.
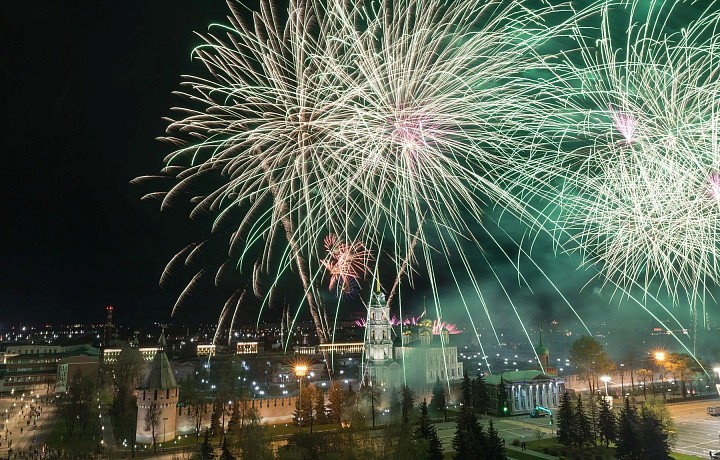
(159, 392)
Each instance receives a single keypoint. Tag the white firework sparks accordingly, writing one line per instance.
(642, 204)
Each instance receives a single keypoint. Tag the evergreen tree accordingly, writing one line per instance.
(235, 418)
(302, 416)
(336, 402)
(439, 399)
(426, 430)
(606, 424)
(583, 435)
(467, 391)
(565, 421)
(320, 412)
(226, 454)
(628, 436)
(655, 444)
(407, 402)
(470, 441)
(495, 445)
(206, 450)
(215, 417)
(503, 408)
(395, 407)
(593, 416)
(480, 397)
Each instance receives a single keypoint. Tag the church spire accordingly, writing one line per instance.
(377, 281)
(162, 343)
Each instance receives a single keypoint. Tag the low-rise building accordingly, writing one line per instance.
(71, 367)
(35, 367)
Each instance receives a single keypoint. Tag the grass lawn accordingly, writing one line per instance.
(552, 447)
(58, 437)
(520, 455)
(677, 456)
(556, 449)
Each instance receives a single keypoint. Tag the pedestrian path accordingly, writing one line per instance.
(107, 433)
(533, 453)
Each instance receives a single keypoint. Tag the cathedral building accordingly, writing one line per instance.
(415, 357)
(158, 393)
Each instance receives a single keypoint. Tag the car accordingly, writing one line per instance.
(715, 455)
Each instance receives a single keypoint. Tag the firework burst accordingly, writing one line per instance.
(645, 209)
(391, 124)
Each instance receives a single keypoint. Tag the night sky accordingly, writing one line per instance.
(86, 85)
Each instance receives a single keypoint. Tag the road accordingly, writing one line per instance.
(697, 432)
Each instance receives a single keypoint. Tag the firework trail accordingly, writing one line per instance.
(395, 122)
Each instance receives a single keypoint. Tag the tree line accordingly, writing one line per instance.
(638, 434)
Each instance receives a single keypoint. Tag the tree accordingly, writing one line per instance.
(503, 406)
(215, 416)
(470, 441)
(438, 401)
(235, 418)
(76, 405)
(407, 402)
(466, 390)
(565, 417)
(655, 441)
(589, 358)
(426, 430)
(321, 417)
(206, 450)
(192, 396)
(152, 420)
(303, 415)
(593, 417)
(480, 399)
(226, 454)
(684, 367)
(372, 392)
(582, 430)
(127, 373)
(495, 445)
(628, 446)
(336, 403)
(606, 424)
(253, 443)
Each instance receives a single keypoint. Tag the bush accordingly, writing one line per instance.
(599, 457)
(546, 450)
(515, 442)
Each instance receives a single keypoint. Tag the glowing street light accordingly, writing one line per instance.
(660, 355)
(300, 371)
(605, 379)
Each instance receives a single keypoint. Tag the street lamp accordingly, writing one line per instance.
(300, 371)
(717, 371)
(605, 379)
(660, 355)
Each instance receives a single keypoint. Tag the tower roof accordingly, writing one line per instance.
(541, 349)
(160, 375)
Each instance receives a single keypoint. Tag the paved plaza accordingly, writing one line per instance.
(697, 432)
(16, 414)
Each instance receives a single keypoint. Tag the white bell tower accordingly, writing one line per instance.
(378, 333)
